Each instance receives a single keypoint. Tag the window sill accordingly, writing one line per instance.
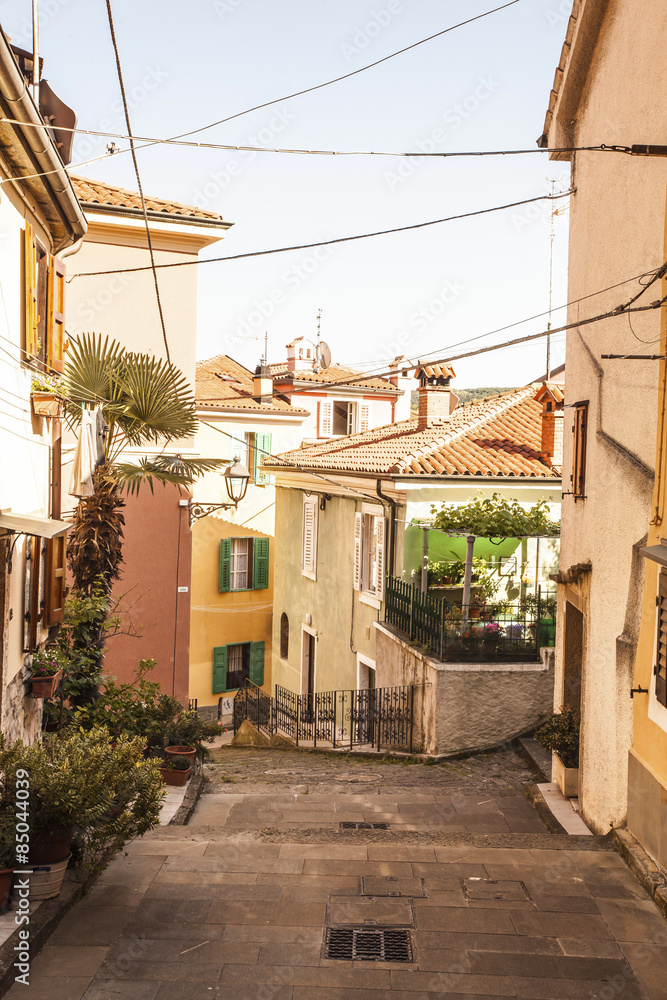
(308, 574)
(370, 599)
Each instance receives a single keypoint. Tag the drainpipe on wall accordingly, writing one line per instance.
(392, 523)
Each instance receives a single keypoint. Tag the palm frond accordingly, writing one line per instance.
(164, 469)
(159, 403)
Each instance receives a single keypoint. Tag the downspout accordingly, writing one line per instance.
(388, 501)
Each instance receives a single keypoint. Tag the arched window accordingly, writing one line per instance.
(284, 636)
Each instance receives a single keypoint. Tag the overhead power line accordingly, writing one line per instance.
(228, 147)
(136, 171)
(324, 243)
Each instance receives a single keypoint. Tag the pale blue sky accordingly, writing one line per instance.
(483, 86)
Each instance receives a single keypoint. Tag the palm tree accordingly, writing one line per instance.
(147, 403)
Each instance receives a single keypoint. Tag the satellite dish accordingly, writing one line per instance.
(325, 354)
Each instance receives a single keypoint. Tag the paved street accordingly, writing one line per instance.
(464, 885)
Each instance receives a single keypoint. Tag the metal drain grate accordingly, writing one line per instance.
(364, 826)
(367, 944)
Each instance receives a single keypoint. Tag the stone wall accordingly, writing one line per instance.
(21, 712)
(466, 706)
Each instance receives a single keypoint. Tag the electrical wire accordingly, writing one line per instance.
(136, 171)
(324, 243)
(226, 147)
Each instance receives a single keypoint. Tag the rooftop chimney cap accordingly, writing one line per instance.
(434, 374)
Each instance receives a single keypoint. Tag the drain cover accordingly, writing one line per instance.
(364, 826)
(388, 885)
(487, 888)
(379, 944)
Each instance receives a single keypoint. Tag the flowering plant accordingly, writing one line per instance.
(46, 383)
(46, 662)
(515, 630)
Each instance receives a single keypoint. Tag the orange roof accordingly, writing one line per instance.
(100, 195)
(334, 373)
(498, 436)
(223, 384)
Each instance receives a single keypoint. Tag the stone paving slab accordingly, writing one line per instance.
(511, 912)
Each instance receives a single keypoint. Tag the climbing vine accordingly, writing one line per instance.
(496, 517)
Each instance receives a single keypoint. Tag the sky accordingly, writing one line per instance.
(483, 86)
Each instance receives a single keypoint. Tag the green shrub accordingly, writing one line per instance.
(560, 734)
(180, 763)
(189, 729)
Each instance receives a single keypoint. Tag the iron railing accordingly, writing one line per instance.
(377, 717)
(255, 705)
(472, 633)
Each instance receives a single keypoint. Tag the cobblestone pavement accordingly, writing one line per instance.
(466, 892)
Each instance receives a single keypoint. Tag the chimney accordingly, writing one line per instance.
(401, 379)
(436, 399)
(550, 395)
(301, 355)
(262, 385)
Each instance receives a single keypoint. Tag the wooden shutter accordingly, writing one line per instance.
(30, 313)
(379, 557)
(365, 420)
(309, 545)
(219, 669)
(257, 663)
(260, 563)
(284, 636)
(33, 611)
(324, 418)
(55, 317)
(358, 532)
(54, 581)
(579, 451)
(225, 565)
(262, 448)
(660, 668)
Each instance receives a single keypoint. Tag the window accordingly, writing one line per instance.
(344, 418)
(244, 564)
(309, 538)
(236, 663)
(251, 450)
(580, 428)
(660, 668)
(44, 303)
(284, 636)
(369, 568)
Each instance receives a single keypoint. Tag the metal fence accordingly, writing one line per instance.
(455, 633)
(376, 717)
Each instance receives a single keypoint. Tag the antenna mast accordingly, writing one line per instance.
(319, 333)
(265, 359)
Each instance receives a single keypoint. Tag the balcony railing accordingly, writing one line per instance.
(475, 633)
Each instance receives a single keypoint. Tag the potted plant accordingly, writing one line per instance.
(46, 395)
(177, 771)
(46, 671)
(187, 734)
(560, 734)
(85, 787)
(493, 633)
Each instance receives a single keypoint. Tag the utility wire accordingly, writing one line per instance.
(136, 171)
(227, 147)
(324, 243)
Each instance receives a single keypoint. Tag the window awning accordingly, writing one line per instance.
(32, 524)
(658, 553)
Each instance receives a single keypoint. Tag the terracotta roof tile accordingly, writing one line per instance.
(334, 373)
(223, 384)
(100, 194)
(499, 436)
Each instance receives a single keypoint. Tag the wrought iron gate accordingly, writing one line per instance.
(377, 717)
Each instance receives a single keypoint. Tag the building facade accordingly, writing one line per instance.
(604, 92)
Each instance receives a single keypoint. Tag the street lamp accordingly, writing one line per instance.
(237, 478)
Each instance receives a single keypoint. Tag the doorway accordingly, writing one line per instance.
(573, 658)
(308, 667)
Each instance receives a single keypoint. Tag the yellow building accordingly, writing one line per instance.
(647, 761)
(232, 549)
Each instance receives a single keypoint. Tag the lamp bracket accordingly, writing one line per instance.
(197, 510)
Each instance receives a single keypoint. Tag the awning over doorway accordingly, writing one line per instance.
(32, 524)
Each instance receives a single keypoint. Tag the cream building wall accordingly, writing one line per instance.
(608, 94)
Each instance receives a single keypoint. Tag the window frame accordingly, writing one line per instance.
(363, 543)
(256, 665)
(579, 450)
(309, 567)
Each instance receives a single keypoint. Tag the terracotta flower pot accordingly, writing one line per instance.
(175, 751)
(47, 846)
(174, 777)
(45, 687)
(45, 404)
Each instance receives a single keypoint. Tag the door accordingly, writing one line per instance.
(308, 677)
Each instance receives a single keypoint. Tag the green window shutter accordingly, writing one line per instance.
(225, 564)
(257, 663)
(260, 563)
(262, 447)
(219, 669)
